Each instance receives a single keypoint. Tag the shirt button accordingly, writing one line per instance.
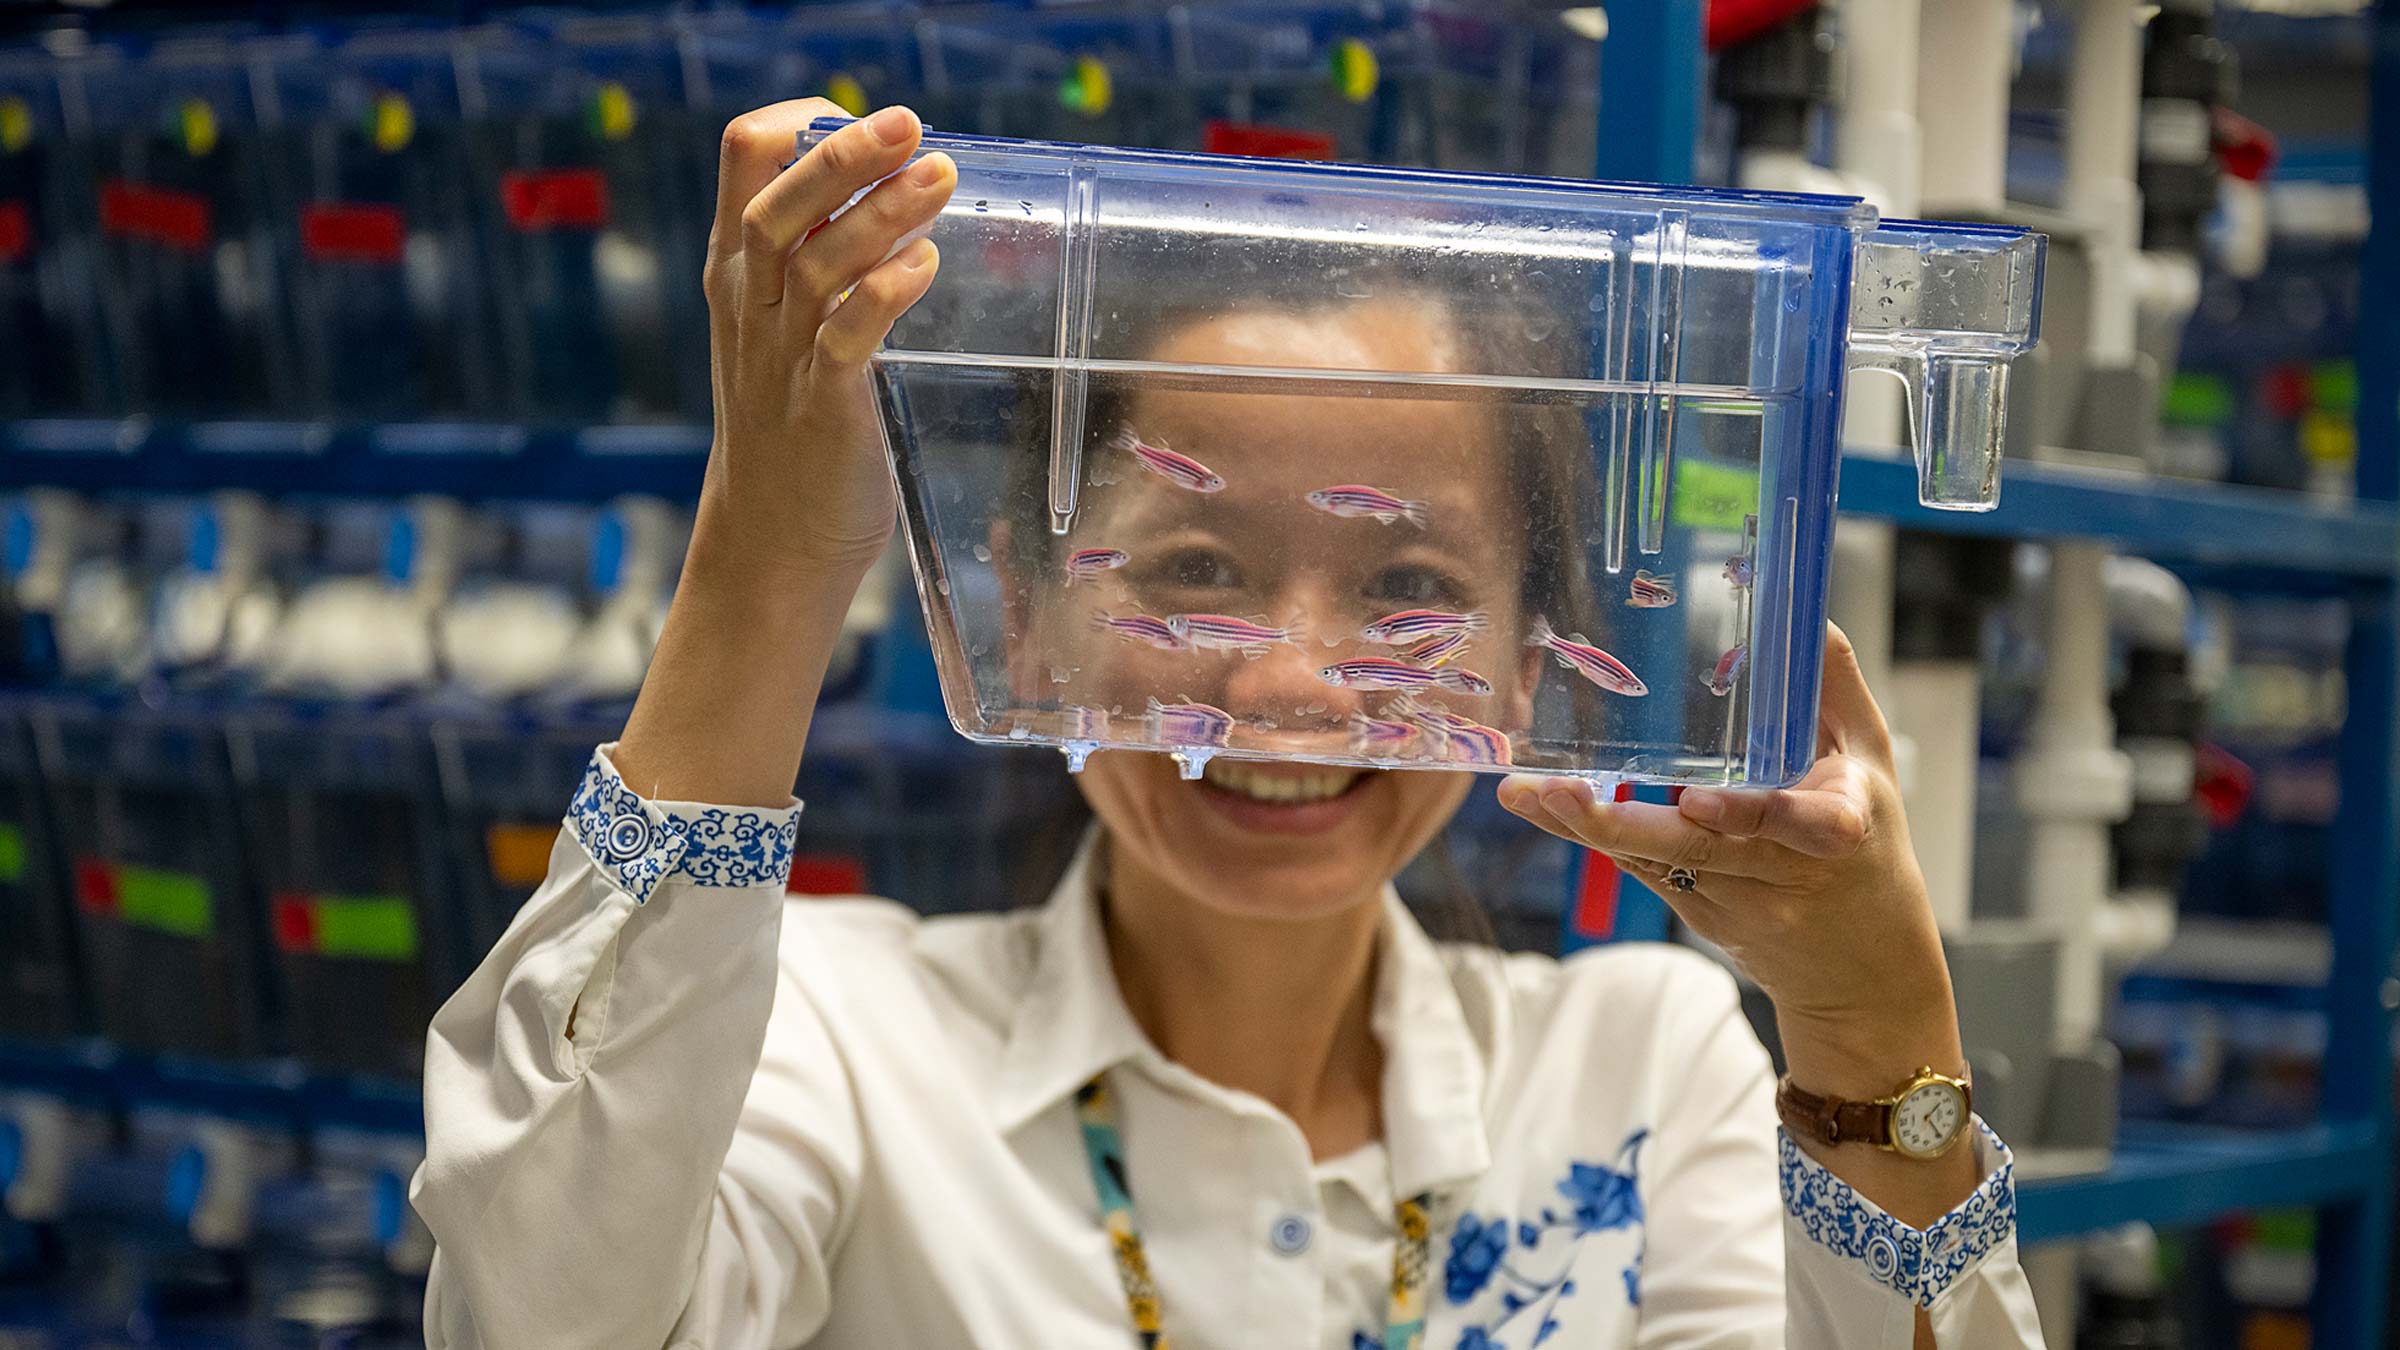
(1290, 1235)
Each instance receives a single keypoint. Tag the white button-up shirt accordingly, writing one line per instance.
(673, 1109)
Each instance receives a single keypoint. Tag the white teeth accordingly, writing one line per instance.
(1235, 776)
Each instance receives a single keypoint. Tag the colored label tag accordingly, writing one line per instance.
(519, 855)
(12, 854)
(16, 232)
(1087, 87)
(1355, 70)
(392, 124)
(846, 93)
(176, 903)
(155, 215)
(352, 232)
(826, 874)
(358, 927)
(536, 200)
(1265, 142)
(1713, 496)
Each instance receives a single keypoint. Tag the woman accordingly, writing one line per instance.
(1221, 1089)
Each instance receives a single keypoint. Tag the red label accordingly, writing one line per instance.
(555, 199)
(1596, 896)
(295, 923)
(155, 215)
(95, 886)
(1261, 141)
(16, 232)
(352, 232)
(826, 874)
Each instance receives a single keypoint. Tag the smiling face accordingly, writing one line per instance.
(1270, 546)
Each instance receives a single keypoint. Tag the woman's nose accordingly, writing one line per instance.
(1284, 684)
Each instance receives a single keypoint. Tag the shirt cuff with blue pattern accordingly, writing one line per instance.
(641, 843)
(1922, 1264)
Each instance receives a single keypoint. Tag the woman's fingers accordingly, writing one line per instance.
(835, 257)
(757, 147)
(1641, 830)
(796, 200)
(1829, 822)
(850, 335)
(1848, 719)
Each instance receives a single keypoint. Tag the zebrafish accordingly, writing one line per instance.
(1086, 563)
(1181, 470)
(1222, 632)
(1651, 592)
(1189, 723)
(1588, 661)
(1371, 735)
(1377, 672)
(1352, 501)
(1409, 625)
(1436, 651)
(1141, 628)
(1721, 680)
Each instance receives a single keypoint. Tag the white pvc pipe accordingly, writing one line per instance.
(1964, 64)
(1937, 702)
(2104, 89)
(2072, 784)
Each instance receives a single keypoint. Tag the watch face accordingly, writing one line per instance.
(1928, 1120)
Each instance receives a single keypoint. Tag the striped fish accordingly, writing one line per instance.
(1411, 625)
(1437, 650)
(1086, 563)
(1352, 501)
(1141, 628)
(1378, 672)
(1223, 632)
(1588, 661)
(1471, 742)
(1189, 723)
(1375, 735)
(1181, 470)
(1650, 591)
(1721, 680)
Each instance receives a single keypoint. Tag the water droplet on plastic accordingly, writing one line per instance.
(1060, 676)
(1191, 763)
(982, 554)
(1077, 752)
(1019, 733)
(942, 585)
(982, 204)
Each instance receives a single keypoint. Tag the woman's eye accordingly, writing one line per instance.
(1198, 569)
(1410, 584)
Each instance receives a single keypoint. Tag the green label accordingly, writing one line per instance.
(12, 853)
(1713, 496)
(170, 902)
(371, 927)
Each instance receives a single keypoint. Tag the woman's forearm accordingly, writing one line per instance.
(725, 709)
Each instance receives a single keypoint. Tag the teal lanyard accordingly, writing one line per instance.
(1104, 1148)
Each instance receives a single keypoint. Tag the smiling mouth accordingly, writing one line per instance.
(1283, 788)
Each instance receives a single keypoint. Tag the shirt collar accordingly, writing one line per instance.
(1071, 1024)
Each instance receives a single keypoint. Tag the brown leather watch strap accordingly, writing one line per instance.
(1830, 1119)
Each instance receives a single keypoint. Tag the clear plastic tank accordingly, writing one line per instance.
(1412, 469)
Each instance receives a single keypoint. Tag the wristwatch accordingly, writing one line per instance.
(1924, 1119)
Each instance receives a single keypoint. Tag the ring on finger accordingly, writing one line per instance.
(1683, 879)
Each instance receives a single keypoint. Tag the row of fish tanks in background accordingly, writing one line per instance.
(275, 773)
(397, 220)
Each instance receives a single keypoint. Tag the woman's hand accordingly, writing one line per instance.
(1813, 890)
(796, 307)
(797, 503)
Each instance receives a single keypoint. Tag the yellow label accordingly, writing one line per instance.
(612, 112)
(1087, 88)
(519, 855)
(196, 121)
(846, 93)
(1355, 71)
(393, 124)
(16, 125)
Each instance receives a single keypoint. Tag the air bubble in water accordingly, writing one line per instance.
(982, 554)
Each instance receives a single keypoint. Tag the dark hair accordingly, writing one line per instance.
(1548, 468)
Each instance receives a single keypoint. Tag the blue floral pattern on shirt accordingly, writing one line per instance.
(1600, 1198)
(1921, 1265)
(640, 844)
